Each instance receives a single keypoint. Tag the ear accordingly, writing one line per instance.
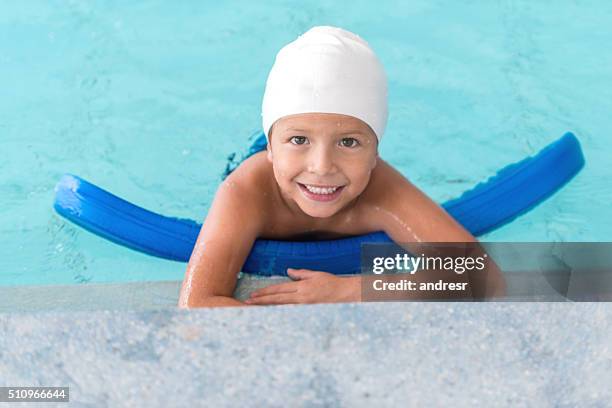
(375, 160)
(374, 163)
(269, 150)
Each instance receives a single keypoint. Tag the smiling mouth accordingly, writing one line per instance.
(320, 193)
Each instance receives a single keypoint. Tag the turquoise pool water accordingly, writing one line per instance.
(147, 99)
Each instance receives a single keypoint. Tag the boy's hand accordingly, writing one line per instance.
(309, 287)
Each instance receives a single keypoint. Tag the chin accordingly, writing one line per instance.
(319, 212)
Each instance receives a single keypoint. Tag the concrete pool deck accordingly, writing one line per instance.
(374, 354)
(128, 345)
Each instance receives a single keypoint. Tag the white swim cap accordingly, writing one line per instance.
(327, 70)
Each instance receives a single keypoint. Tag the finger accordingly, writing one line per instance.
(300, 274)
(276, 299)
(287, 287)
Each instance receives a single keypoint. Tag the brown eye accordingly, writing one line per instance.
(298, 140)
(349, 142)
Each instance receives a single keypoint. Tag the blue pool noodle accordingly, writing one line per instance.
(514, 190)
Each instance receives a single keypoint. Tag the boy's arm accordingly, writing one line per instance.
(409, 216)
(224, 242)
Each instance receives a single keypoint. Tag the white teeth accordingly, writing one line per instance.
(321, 190)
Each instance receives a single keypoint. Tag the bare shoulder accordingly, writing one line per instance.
(252, 174)
(250, 186)
(386, 188)
(398, 207)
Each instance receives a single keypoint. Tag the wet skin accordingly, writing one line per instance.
(320, 178)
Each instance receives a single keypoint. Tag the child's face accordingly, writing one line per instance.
(322, 161)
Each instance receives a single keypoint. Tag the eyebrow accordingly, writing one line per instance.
(348, 132)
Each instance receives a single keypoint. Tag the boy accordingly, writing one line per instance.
(324, 112)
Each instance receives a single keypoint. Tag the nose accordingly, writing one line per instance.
(321, 161)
